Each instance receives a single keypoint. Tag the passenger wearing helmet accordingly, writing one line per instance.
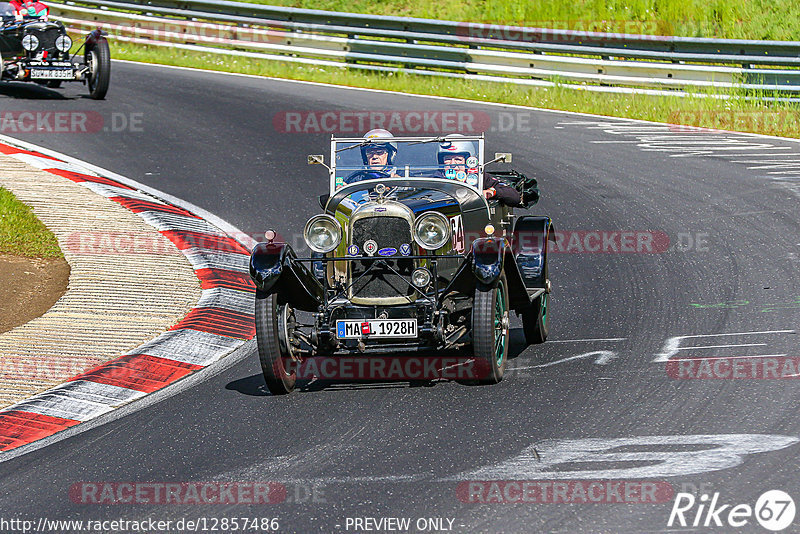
(453, 156)
(30, 8)
(377, 154)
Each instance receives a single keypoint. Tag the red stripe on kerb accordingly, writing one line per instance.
(136, 205)
(211, 278)
(8, 149)
(184, 240)
(19, 428)
(140, 372)
(219, 321)
(78, 177)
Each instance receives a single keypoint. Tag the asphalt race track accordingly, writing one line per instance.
(596, 402)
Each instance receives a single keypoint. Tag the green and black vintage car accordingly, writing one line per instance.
(408, 254)
(36, 50)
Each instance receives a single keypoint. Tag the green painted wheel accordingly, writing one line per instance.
(490, 322)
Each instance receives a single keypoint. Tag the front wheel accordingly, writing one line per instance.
(273, 335)
(98, 58)
(490, 331)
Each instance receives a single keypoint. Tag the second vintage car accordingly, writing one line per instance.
(33, 49)
(408, 254)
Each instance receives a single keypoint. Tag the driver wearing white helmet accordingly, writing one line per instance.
(453, 154)
(377, 153)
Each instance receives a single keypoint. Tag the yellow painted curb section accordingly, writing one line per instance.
(127, 284)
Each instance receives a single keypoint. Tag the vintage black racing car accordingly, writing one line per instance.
(408, 254)
(37, 50)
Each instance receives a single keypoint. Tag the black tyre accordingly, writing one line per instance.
(274, 349)
(490, 331)
(534, 318)
(98, 58)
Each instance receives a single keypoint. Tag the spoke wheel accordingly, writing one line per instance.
(278, 349)
(490, 331)
(98, 59)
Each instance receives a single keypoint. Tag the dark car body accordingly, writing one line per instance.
(486, 248)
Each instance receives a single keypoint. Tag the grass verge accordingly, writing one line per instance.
(21, 233)
(734, 113)
(732, 19)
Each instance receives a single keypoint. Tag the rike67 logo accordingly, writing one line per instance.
(774, 510)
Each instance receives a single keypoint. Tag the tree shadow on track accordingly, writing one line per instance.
(255, 386)
(30, 91)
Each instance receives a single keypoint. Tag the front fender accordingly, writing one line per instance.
(531, 238)
(274, 270)
(492, 256)
(488, 255)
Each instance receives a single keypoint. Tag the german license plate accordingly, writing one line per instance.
(51, 74)
(376, 328)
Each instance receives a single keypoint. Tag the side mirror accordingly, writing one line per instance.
(505, 157)
(316, 159)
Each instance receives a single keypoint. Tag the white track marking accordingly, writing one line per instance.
(603, 357)
(586, 340)
(673, 345)
(551, 459)
(728, 357)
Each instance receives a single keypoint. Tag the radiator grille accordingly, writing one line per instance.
(381, 282)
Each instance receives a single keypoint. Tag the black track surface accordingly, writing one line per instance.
(210, 140)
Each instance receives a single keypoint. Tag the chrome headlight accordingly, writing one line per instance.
(323, 233)
(63, 43)
(431, 230)
(421, 277)
(30, 42)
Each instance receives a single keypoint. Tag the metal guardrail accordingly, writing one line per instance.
(532, 56)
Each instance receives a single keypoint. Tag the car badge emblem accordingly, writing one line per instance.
(370, 247)
(450, 173)
(461, 176)
(405, 249)
(387, 251)
(378, 210)
(353, 250)
(472, 161)
(472, 170)
(472, 179)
